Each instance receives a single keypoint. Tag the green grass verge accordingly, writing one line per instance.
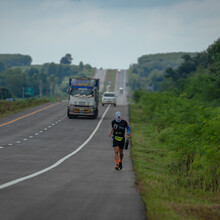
(8, 108)
(110, 80)
(163, 197)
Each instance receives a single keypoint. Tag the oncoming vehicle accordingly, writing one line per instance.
(109, 98)
(83, 97)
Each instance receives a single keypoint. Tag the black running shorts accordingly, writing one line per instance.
(119, 144)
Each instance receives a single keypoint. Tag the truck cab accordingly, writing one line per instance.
(83, 97)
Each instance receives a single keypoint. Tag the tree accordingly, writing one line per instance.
(81, 66)
(15, 80)
(10, 60)
(2, 67)
(171, 73)
(5, 93)
(67, 59)
(53, 81)
(52, 69)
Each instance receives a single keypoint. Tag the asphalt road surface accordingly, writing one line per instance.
(52, 167)
(121, 88)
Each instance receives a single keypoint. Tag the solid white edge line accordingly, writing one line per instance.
(13, 182)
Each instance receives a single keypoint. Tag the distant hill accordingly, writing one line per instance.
(10, 60)
(150, 69)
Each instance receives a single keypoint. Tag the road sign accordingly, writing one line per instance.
(29, 91)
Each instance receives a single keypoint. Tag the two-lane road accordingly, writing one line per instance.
(52, 167)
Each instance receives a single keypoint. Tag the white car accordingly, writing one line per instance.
(109, 98)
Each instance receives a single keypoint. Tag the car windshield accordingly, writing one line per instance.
(81, 91)
(109, 94)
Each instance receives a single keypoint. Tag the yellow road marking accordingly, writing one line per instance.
(32, 113)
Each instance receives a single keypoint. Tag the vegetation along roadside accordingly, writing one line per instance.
(176, 141)
(8, 107)
(177, 179)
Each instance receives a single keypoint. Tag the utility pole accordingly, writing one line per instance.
(40, 88)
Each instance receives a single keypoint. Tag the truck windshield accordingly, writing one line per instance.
(81, 91)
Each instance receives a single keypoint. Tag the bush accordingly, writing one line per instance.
(7, 107)
(191, 133)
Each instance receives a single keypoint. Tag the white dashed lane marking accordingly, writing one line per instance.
(35, 134)
(56, 164)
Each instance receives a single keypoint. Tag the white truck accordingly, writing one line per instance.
(83, 97)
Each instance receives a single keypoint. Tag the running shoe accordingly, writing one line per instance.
(120, 165)
(117, 167)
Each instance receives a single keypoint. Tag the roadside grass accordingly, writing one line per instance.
(163, 197)
(110, 78)
(8, 108)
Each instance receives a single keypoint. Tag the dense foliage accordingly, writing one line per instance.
(10, 60)
(5, 93)
(190, 131)
(186, 114)
(67, 59)
(148, 73)
(49, 79)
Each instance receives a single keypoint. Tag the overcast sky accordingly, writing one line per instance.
(106, 33)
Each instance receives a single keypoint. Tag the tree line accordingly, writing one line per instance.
(149, 72)
(10, 60)
(49, 79)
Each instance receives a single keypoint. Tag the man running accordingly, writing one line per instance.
(118, 131)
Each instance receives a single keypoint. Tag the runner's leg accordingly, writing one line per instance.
(121, 158)
(116, 149)
(121, 155)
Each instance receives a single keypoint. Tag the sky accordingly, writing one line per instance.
(106, 33)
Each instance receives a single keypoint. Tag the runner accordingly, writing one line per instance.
(118, 131)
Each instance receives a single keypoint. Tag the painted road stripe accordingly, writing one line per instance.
(32, 113)
(13, 182)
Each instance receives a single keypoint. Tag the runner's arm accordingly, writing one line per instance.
(128, 131)
(110, 134)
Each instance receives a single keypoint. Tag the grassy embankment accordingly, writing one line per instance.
(177, 165)
(110, 80)
(8, 108)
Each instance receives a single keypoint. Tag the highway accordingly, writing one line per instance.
(52, 167)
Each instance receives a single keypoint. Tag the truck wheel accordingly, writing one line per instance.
(95, 114)
(68, 114)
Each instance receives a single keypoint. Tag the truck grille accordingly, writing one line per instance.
(82, 103)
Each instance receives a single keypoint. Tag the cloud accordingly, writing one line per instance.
(108, 35)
